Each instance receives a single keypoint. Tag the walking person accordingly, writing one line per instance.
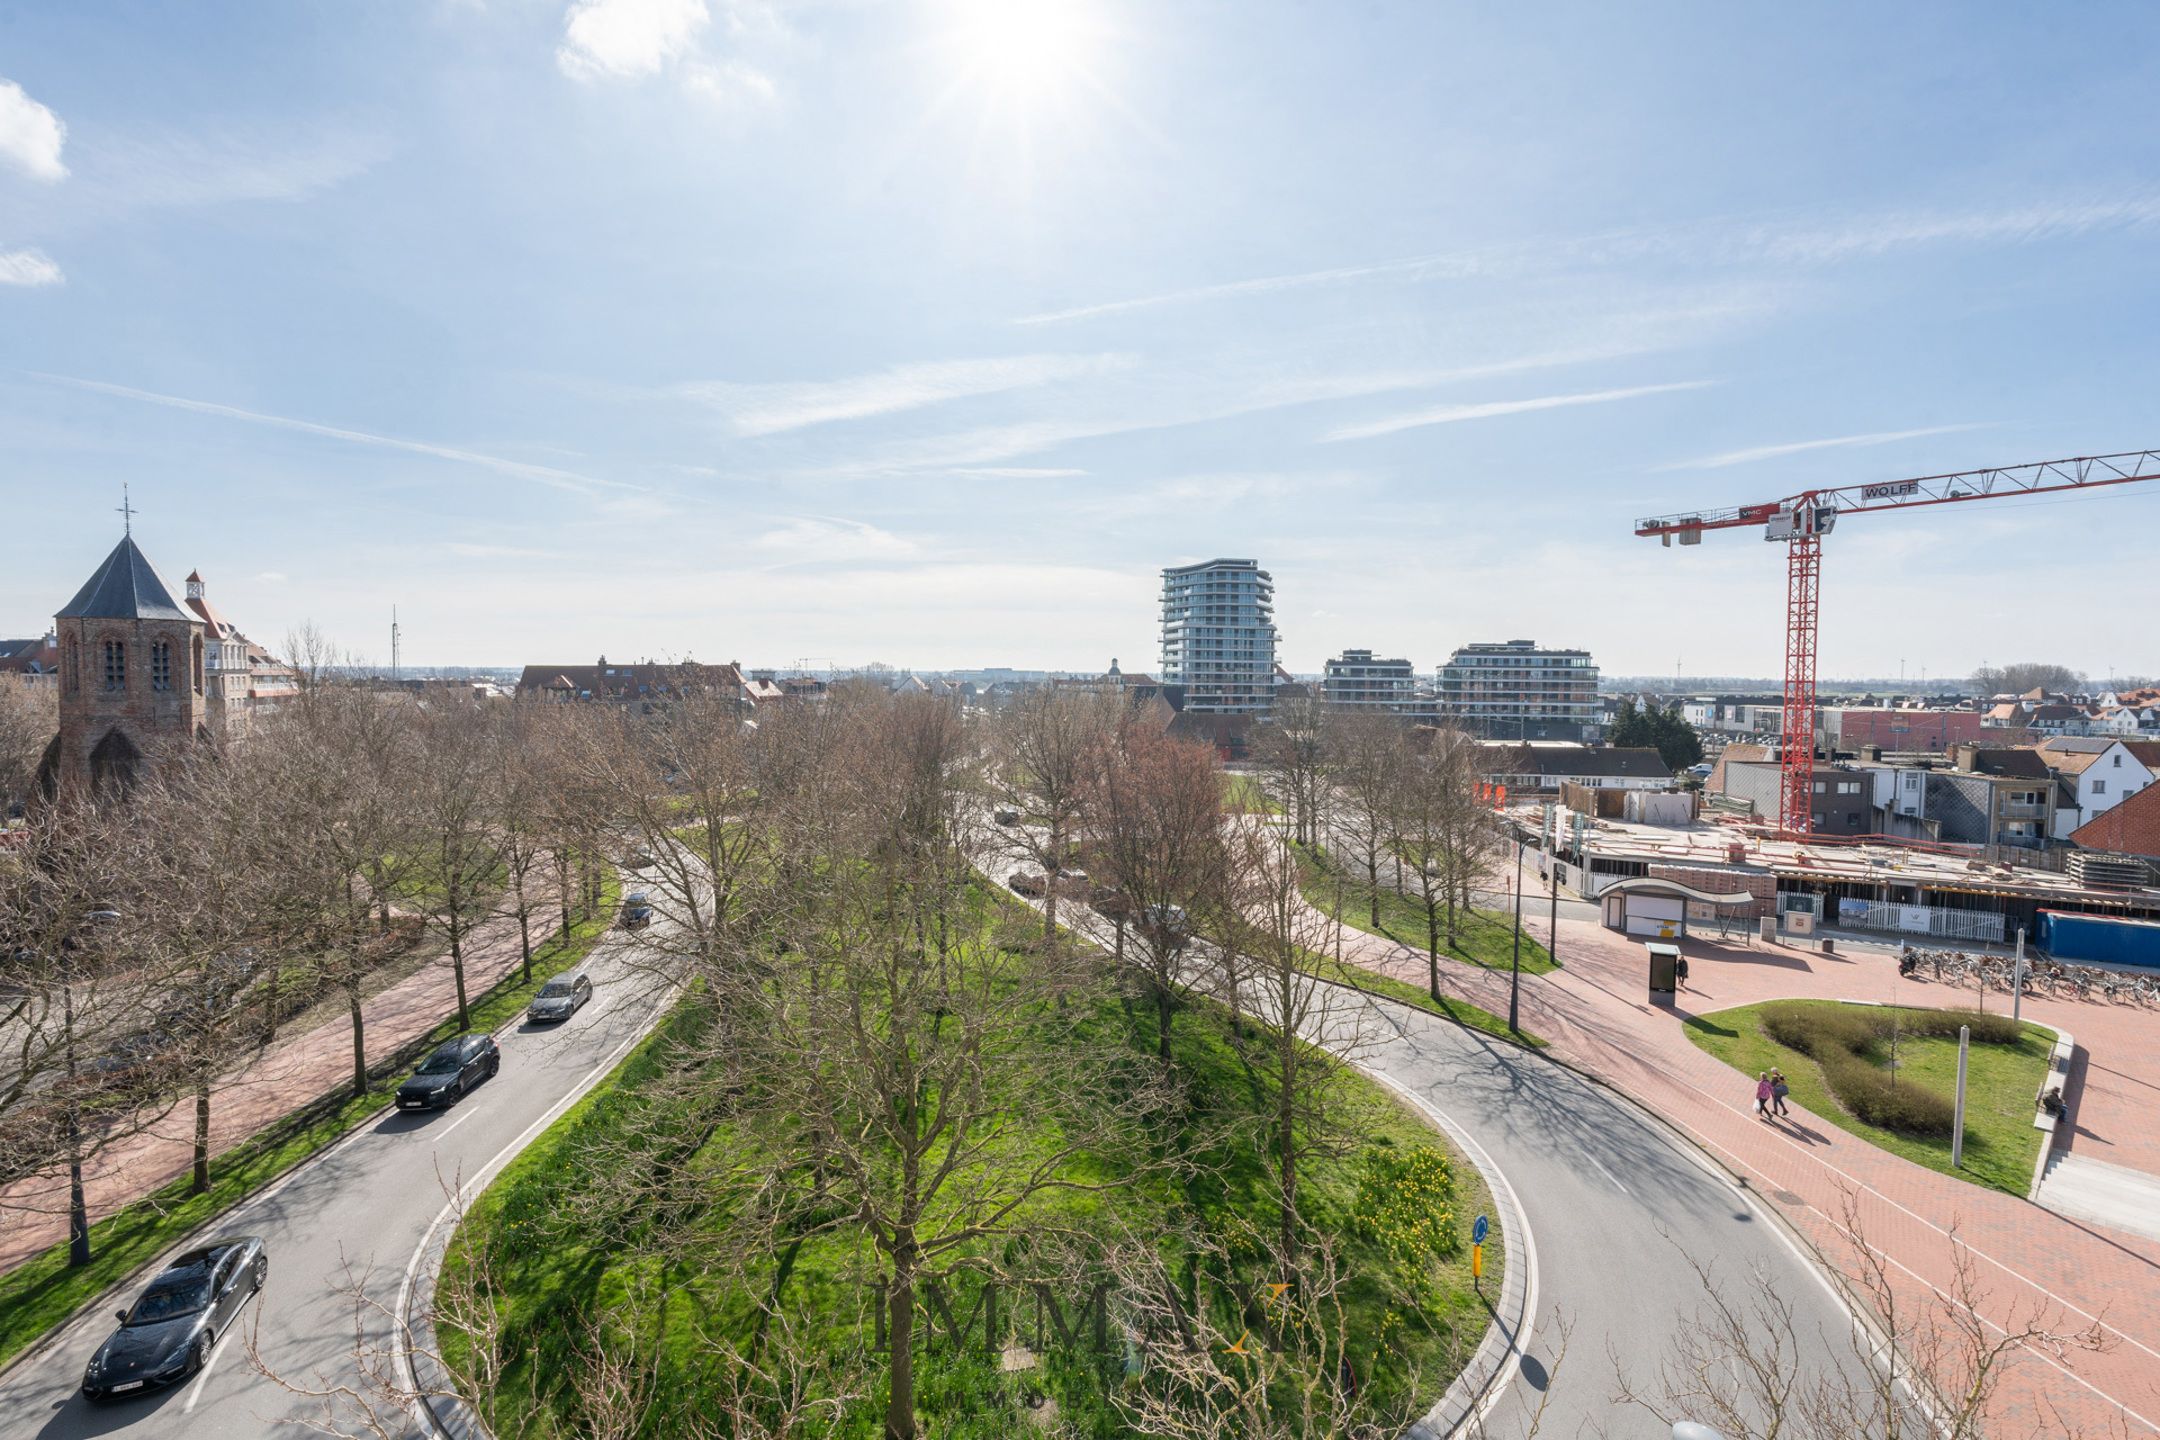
(1762, 1095)
(1679, 970)
(1779, 1090)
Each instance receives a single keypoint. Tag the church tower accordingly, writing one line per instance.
(131, 675)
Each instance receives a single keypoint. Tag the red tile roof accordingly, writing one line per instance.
(2131, 828)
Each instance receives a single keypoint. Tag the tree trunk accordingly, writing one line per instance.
(562, 890)
(900, 1335)
(457, 969)
(1286, 1139)
(524, 913)
(359, 1040)
(1432, 946)
(1372, 885)
(201, 1181)
(1162, 1020)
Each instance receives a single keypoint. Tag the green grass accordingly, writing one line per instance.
(44, 1291)
(551, 1274)
(1482, 938)
(1245, 795)
(1386, 987)
(2001, 1144)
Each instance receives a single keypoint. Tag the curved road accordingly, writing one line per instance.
(360, 1208)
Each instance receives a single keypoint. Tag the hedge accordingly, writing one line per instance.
(1845, 1042)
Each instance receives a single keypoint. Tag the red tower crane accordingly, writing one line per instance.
(1802, 520)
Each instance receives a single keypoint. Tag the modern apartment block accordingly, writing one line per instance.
(1516, 691)
(1218, 635)
(1356, 679)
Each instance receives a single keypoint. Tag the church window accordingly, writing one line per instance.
(161, 665)
(115, 665)
(198, 664)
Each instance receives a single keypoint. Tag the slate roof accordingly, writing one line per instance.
(125, 587)
(1564, 761)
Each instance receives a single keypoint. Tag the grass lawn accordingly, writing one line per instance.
(1245, 795)
(1462, 1012)
(2001, 1082)
(1482, 937)
(43, 1291)
(552, 1272)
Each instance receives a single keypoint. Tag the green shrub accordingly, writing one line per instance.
(1819, 1032)
(1986, 1029)
(1407, 1203)
(1872, 1097)
(1844, 1040)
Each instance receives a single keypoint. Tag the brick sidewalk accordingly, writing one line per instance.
(1596, 1014)
(271, 1085)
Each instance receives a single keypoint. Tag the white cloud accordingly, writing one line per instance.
(1801, 447)
(546, 474)
(817, 538)
(30, 135)
(28, 267)
(1485, 410)
(628, 39)
(271, 577)
(770, 409)
(466, 549)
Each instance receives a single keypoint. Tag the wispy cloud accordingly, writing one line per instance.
(828, 539)
(1486, 410)
(471, 550)
(1801, 447)
(271, 577)
(771, 408)
(30, 135)
(545, 474)
(1788, 240)
(28, 267)
(628, 39)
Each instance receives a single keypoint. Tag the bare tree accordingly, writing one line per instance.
(1155, 818)
(1043, 746)
(1443, 834)
(1367, 753)
(29, 718)
(460, 871)
(1294, 756)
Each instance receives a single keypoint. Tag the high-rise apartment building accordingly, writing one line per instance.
(1355, 679)
(1218, 635)
(1517, 691)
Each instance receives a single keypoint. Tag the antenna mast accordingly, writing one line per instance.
(396, 671)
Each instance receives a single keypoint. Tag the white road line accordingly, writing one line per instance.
(443, 1134)
(202, 1378)
(1608, 1175)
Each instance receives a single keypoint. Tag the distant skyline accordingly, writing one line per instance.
(928, 332)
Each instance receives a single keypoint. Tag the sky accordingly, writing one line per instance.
(928, 331)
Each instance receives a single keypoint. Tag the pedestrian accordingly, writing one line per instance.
(1762, 1095)
(1679, 971)
(1779, 1090)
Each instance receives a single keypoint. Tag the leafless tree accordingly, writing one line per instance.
(29, 718)
(459, 874)
(1443, 834)
(1367, 752)
(1043, 746)
(1294, 756)
(1155, 832)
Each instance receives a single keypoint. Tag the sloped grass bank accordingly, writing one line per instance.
(1482, 937)
(2002, 1077)
(1391, 1197)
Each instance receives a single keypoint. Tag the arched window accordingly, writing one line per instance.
(161, 665)
(198, 665)
(116, 665)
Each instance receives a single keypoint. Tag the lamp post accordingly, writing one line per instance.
(1514, 994)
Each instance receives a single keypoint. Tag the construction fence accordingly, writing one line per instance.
(1936, 921)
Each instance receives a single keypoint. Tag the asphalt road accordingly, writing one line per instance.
(359, 1210)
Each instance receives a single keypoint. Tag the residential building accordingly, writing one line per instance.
(1218, 636)
(1515, 690)
(1978, 795)
(1842, 802)
(644, 685)
(1356, 680)
(2101, 771)
(36, 661)
(242, 682)
(1900, 728)
(1547, 765)
(2131, 828)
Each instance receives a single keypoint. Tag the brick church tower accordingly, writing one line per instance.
(131, 676)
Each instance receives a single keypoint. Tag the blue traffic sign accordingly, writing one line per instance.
(1478, 1227)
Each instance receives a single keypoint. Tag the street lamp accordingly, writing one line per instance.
(1514, 994)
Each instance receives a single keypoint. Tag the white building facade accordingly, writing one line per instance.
(1218, 635)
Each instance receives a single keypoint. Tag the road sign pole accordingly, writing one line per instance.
(1514, 993)
(2017, 978)
(1957, 1126)
(1477, 1249)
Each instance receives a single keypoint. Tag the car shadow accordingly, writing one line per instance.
(77, 1416)
(404, 1122)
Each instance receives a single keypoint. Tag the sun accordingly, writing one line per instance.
(1021, 51)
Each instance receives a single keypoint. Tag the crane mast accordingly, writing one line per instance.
(1801, 521)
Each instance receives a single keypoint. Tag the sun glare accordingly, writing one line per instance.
(1021, 49)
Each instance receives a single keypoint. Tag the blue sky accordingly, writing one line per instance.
(927, 331)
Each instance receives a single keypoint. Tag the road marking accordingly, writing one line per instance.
(1608, 1175)
(444, 1133)
(203, 1377)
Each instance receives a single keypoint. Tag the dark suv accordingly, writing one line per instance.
(444, 1077)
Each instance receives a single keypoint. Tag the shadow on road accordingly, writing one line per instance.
(76, 1416)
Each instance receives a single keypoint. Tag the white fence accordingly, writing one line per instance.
(1934, 920)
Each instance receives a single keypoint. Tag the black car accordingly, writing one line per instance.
(444, 1077)
(167, 1334)
(559, 999)
(636, 911)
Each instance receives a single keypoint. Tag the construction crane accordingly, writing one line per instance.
(1801, 521)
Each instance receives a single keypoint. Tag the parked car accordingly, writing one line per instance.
(1024, 883)
(642, 860)
(445, 1076)
(636, 911)
(1007, 817)
(1167, 924)
(559, 999)
(167, 1334)
(1073, 884)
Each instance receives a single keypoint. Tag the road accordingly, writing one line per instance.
(362, 1209)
